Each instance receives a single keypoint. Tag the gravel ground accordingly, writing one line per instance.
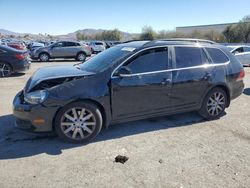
(173, 151)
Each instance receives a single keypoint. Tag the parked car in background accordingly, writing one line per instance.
(128, 82)
(111, 43)
(97, 46)
(34, 46)
(62, 49)
(17, 45)
(3, 43)
(12, 60)
(242, 53)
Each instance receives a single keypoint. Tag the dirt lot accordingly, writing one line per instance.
(174, 151)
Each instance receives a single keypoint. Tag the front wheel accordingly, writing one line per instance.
(81, 57)
(78, 122)
(214, 104)
(44, 57)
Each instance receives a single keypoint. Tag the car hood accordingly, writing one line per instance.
(54, 72)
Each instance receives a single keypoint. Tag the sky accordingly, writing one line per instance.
(65, 16)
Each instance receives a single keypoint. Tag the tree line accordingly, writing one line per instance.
(236, 33)
(108, 35)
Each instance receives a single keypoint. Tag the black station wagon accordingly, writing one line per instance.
(130, 81)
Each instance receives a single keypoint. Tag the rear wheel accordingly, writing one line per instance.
(44, 57)
(214, 104)
(5, 70)
(78, 122)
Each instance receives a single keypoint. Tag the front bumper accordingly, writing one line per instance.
(27, 115)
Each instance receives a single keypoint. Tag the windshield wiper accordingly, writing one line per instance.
(77, 66)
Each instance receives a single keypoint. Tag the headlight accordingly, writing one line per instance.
(36, 97)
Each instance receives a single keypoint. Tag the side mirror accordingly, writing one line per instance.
(124, 72)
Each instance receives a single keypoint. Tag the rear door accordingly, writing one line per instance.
(146, 90)
(190, 78)
(71, 49)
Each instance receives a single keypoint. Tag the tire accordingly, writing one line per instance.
(5, 70)
(71, 126)
(44, 57)
(214, 104)
(81, 56)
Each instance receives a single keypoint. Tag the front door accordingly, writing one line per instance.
(146, 90)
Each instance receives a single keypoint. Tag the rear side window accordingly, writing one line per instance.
(71, 44)
(217, 55)
(189, 57)
(150, 60)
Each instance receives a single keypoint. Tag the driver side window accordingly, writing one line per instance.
(59, 44)
(149, 61)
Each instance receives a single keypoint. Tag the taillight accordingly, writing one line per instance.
(20, 56)
(241, 75)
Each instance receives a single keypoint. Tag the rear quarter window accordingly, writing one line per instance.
(217, 55)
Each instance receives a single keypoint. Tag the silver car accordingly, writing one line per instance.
(242, 53)
(97, 46)
(62, 49)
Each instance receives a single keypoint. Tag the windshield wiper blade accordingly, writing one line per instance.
(77, 66)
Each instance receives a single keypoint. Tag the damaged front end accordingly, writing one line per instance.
(36, 105)
(46, 84)
(39, 93)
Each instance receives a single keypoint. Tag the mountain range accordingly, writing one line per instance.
(72, 36)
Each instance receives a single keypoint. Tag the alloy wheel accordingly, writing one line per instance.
(44, 57)
(78, 123)
(5, 70)
(81, 57)
(216, 103)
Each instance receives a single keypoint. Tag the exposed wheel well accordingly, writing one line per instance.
(101, 108)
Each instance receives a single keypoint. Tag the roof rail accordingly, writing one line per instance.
(135, 41)
(189, 40)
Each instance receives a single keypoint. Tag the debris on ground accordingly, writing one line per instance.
(160, 161)
(121, 159)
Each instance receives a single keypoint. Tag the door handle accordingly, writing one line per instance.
(207, 76)
(166, 81)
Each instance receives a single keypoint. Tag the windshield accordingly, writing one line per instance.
(105, 59)
(231, 48)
